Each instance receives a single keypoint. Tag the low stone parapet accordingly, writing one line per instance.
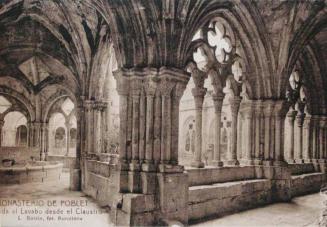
(30, 173)
(215, 200)
(211, 175)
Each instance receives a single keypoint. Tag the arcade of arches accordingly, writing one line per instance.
(168, 110)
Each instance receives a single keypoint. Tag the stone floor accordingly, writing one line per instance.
(302, 211)
(48, 197)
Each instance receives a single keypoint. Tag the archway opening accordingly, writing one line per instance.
(14, 131)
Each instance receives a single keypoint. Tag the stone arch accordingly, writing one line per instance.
(247, 30)
(4, 90)
(12, 122)
(52, 100)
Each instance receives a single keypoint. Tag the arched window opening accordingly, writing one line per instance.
(57, 134)
(21, 136)
(14, 130)
(213, 95)
(73, 136)
(60, 138)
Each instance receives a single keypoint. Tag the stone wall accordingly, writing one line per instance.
(307, 183)
(68, 162)
(102, 182)
(230, 197)
(217, 175)
(19, 154)
(30, 173)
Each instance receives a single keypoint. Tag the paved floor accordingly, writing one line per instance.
(49, 204)
(56, 198)
(302, 211)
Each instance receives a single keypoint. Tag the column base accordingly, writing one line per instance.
(75, 180)
(134, 165)
(232, 163)
(290, 161)
(134, 181)
(149, 167)
(167, 168)
(246, 162)
(299, 161)
(315, 161)
(257, 162)
(268, 163)
(197, 164)
(280, 163)
(217, 163)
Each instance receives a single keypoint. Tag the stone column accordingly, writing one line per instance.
(268, 107)
(37, 134)
(218, 104)
(98, 108)
(307, 137)
(298, 148)
(258, 120)
(289, 141)
(246, 112)
(160, 177)
(68, 126)
(322, 125)
(77, 171)
(149, 116)
(89, 125)
(198, 94)
(314, 139)
(280, 111)
(325, 137)
(2, 122)
(235, 105)
(44, 141)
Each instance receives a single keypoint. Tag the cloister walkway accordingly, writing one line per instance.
(302, 211)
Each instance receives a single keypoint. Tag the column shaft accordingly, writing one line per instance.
(149, 129)
(235, 105)
(218, 104)
(299, 137)
(198, 94)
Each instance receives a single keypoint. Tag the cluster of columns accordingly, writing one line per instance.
(257, 131)
(199, 93)
(307, 137)
(261, 132)
(149, 115)
(96, 121)
(2, 122)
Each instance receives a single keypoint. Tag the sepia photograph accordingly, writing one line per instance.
(204, 113)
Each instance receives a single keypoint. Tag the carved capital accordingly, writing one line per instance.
(199, 78)
(99, 106)
(291, 116)
(235, 104)
(218, 103)
(300, 119)
(323, 121)
(88, 104)
(166, 87)
(199, 92)
(268, 107)
(246, 108)
(307, 121)
(280, 108)
(179, 90)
